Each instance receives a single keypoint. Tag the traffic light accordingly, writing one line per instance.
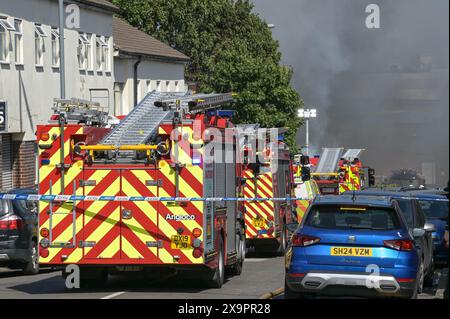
(306, 174)
(371, 177)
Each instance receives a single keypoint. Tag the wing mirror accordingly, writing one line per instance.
(429, 227)
(418, 232)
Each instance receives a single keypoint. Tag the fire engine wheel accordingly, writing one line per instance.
(32, 266)
(283, 242)
(219, 275)
(236, 269)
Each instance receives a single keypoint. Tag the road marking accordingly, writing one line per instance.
(256, 260)
(114, 295)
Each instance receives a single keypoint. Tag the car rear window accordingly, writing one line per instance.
(434, 209)
(4, 208)
(355, 217)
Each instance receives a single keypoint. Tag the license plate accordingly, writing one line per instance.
(351, 251)
(180, 242)
(258, 222)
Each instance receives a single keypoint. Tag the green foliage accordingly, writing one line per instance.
(231, 49)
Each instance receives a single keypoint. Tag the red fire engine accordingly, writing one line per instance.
(124, 193)
(265, 221)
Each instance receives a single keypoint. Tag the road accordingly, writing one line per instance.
(259, 277)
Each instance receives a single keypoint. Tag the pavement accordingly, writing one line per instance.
(261, 278)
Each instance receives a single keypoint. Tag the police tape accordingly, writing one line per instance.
(35, 197)
(49, 198)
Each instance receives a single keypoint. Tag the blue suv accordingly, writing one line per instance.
(353, 246)
(435, 208)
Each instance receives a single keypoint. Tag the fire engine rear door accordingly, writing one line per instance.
(139, 227)
(101, 231)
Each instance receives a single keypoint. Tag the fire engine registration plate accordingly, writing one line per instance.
(351, 251)
(258, 222)
(180, 242)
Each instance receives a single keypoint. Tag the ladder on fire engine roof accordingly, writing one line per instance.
(352, 153)
(329, 160)
(142, 122)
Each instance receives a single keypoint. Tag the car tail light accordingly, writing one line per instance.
(44, 232)
(303, 240)
(11, 223)
(45, 243)
(45, 136)
(197, 232)
(197, 253)
(45, 154)
(44, 253)
(400, 244)
(197, 243)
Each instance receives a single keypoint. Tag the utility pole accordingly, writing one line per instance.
(62, 70)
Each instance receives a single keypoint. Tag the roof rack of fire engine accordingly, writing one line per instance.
(80, 112)
(141, 124)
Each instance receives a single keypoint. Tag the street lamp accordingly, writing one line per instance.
(307, 114)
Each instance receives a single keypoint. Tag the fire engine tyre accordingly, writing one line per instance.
(219, 275)
(283, 242)
(32, 266)
(236, 269)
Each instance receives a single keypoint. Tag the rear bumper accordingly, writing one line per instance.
(350, 284)
(11, 255)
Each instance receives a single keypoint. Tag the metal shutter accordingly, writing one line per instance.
(6, 153)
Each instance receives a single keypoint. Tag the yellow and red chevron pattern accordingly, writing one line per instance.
(114, 232)
(258, 215)
(302, 207)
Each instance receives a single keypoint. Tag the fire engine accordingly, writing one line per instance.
(306, 188)
(336, 174)
(269, 176)
(123, 193)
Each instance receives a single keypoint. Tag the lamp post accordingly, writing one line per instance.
(307, 114)
(62, 69)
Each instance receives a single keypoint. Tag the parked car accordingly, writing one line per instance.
(435, 208)
(18, 233)
(354, 246)
(415, 218)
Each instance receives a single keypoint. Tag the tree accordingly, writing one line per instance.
(231, 49)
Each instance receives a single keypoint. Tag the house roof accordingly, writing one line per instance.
(135, 42)
(102, 4)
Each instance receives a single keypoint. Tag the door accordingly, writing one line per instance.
(140, 236)
(101, 224)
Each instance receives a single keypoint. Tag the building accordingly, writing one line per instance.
(98, 67)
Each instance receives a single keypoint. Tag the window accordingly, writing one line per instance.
(39, 35)
(100, 44)
(18, 42)
(407, 210)
(88, 48)
(5, 28)
(82, 52)
(107, 55)
(55, 48)
(335, 217)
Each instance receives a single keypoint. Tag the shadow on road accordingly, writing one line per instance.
(126, 282)
(19, 273)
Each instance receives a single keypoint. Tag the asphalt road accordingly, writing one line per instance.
(260, 276)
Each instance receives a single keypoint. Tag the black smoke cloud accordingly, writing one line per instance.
(370, 86)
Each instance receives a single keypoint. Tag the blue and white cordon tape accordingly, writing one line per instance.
(49, 198)
(35, 197)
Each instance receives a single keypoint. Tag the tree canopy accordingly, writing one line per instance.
(231, 49)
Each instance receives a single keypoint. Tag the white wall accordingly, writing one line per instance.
(28, 90)
(148, 70)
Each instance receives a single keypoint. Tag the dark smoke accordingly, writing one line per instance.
(385, 90)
